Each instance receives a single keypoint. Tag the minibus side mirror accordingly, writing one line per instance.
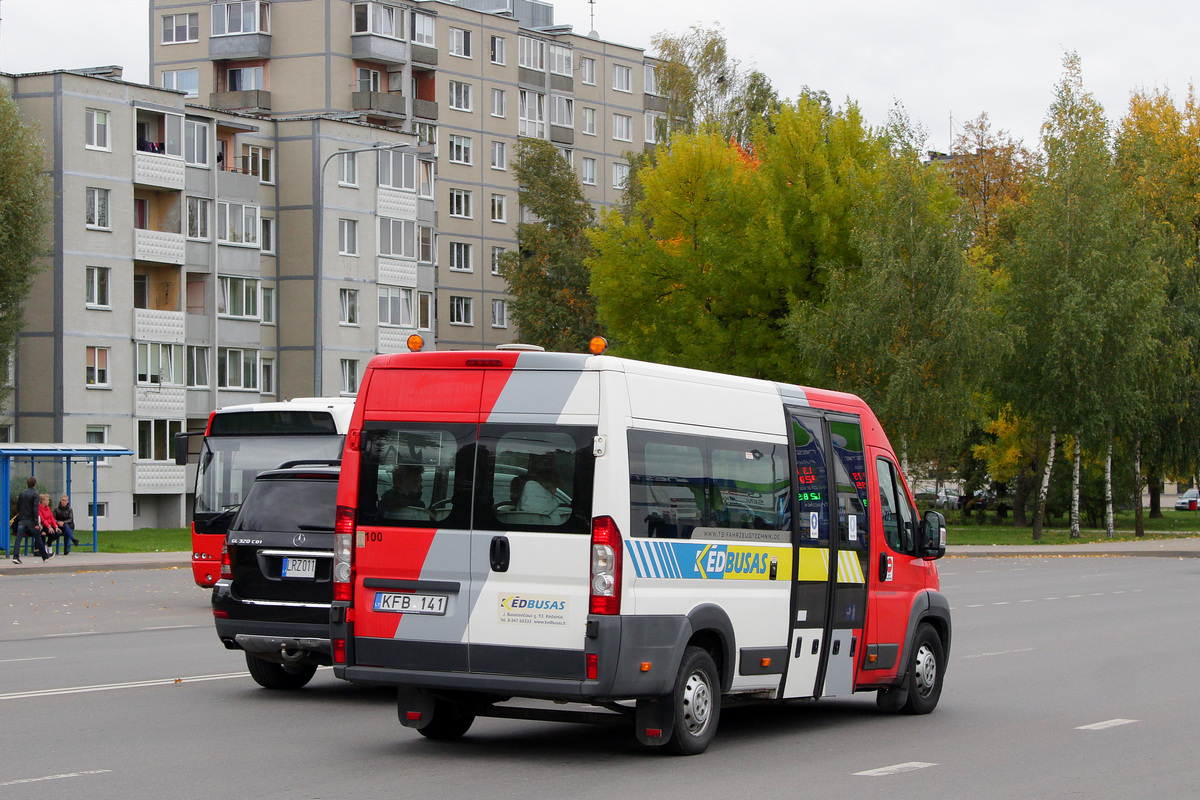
(933, 535)
(181, 449)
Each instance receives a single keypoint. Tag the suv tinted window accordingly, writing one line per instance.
(289, 505)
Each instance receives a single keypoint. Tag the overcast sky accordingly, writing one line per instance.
(946, 62)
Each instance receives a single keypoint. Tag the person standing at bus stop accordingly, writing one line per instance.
(28, 523)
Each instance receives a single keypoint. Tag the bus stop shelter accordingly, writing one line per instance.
(16, 455)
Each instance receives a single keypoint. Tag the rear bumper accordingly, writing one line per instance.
(273, 630)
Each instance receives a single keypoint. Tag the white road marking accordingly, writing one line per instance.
(1030, 600)
(1001, 652)
(896, 769)
(976, 605)
(172, 627)
(36, 658)
(1001, 603)
(1050, 598)
(56, 777)
(106, 687)
(1074, 595)
(1108, 723)
(76, 633)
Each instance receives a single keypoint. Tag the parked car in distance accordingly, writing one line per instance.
(1185, 500)
(272, 600)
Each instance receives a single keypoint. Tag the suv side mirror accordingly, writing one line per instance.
(933, 536)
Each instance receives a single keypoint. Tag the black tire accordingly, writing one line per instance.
(270, 675)
(696, 701)
(926, 666)
(450, 721)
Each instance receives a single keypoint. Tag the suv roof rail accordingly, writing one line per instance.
(311, 462)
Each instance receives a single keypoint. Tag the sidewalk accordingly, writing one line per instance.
(86, 561)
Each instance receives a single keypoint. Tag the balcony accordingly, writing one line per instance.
(239, 46)
(155, 325)
(425, 109)
(159, 247)
(380, 103)
(159, 477)
(152, 169)
(253, 101)
(383, 49)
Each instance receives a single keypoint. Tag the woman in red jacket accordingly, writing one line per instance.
(50, 529)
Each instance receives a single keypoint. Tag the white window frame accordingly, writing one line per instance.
(260, 161)
(651, 123)
(368, 80)
(348, 169)
(460, 204)
(97, 434)
(350, 376)
(348, 237)
(248, 228)
(499, 155)
(497, 252)
(460, 95)
(499, 208)
(395, 306)
(462, 311)
(499, 98)
(377, 19)
(240, 293)
(259, 16)
(425, 179)
(98, 294)
(650, 75)
(169, 360)
(195, 150)
(587, 171)
(622, 127)
(587, 70)
(98, 135)
(199, 211)
(246, 366)
(190, 27)
(170, 79)
(397, 238)
(562, 111)
(98, 214)
(196, 367)
(460, 149)
(348, 309)
(267, 238)
(532, 53)
(424, 311)
(498, 54)
(423, 29)
(588, 121)
(249, 79)
(620, 175)
(96, 370)
(460, 42)
(622, 78)
(266, 304)
(499, 313)
(426, 244)
(560, 60)
(266, 376)
(461, 257)
(159, 431)
(531, 114)
(397, 170)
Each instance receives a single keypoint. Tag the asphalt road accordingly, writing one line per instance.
(1068, 677)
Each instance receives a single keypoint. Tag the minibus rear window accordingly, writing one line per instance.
(416, 475)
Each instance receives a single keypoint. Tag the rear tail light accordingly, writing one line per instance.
(226, 564)
(339, 651)
(343, 553)
(606, 567)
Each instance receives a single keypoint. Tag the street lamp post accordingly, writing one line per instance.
(319, 261)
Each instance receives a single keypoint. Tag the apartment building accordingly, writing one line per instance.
(187, 272)
(467, 79)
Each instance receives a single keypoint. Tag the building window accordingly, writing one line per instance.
(460, 311)
(499, 314)
(460, 43)
(460, 149)
(425, 311)
(267, 305)
(395, 306)
(460, 257)
(97, 287)
(460, 95)
(348, 237)
(198, 210)
(532, 53)
(160, 364)
(568, 155)
(587, 70)
(397, 170)
(426, 134)
(237, 368)
(266, 372)
(156, 439)
(348, 169)
(369, 80)
(622, 128)
(560, 60)
(245, 79)
(497, 254)
(425, 244)
(97, 434)
(97, 367)
(197, 367)
(237, 297)
(97, 129)
(397, 238)
(498, 211)
(256, 160)
(460, 203)
(656, 125)
(348, 301)
(422, 29)
(622, 78)
(562, 111)
(349, 376)
(498, 56)
(589, 121)
(182, 80)
(250, 16)
(98, 510)
(531, 114)
(237, 223)
(267, 240)
(587, 171)
(620, 175)
(499, 156)
(195, 143)
(179, 28)
(96, 215)
(425, 187)
(651, 79)
(498, 103)
(378, 19)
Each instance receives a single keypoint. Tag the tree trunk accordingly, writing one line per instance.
(1139, 524)
(1075, 490)
(904, 458)
(1040, 515)
(1108, 508)
(1154, 479)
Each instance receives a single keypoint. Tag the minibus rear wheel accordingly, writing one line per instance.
(450, 721)
(696, 702)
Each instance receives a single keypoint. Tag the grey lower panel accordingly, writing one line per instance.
(409, 654)
(751, 660)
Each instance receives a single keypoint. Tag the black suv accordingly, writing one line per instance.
(272, 600)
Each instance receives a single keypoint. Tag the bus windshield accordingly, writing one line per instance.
(229, 465)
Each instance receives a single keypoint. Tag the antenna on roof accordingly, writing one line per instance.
(592, 16)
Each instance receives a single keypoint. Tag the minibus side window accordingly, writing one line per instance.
(667, 490)
(851, 472)
(750, 486)
(415, 475)
(899, 526)
(535, 477)
(812, 481)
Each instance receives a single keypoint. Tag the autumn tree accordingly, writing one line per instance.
(990, 172)
(24, 213)
(547, 276)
